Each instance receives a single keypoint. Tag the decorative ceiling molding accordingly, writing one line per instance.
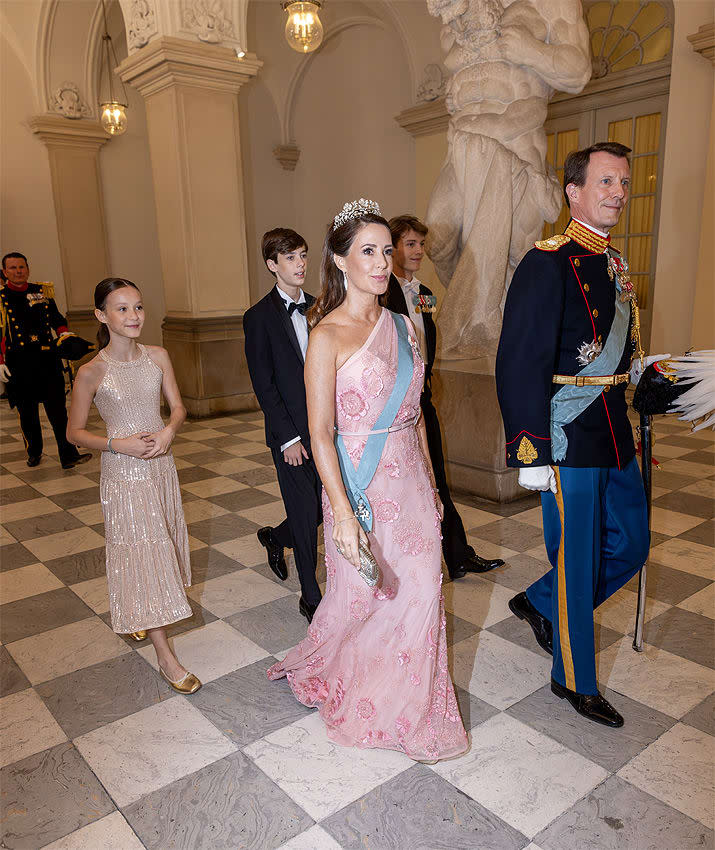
(703, 41)
(45, 28)
(208, 19)
(141, 24)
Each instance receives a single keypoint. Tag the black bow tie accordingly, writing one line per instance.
(301, 308)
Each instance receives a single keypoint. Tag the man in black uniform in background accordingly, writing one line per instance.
(405, 294)
(29, 362)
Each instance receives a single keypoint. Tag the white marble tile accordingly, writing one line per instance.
(200, 509)
(473, 517)
(245, 448)
(672, 523)
(200, 434)
(487, 549)
(234, 592)
(8, 480)
(479, 601)
(705, 488)
(273, 488)
(230, 467)
(64, 543)
(257, 436)
(211, 651)
(94, 593)
(619, 611)
(151, 748)
(108, 833)
(214, 487)
(47, 463)
(246, 550)
(89, 514)
(684, 555)
(28, 509)
(496, 670)
(188, 448)
(663, 451)
(65, 649)
(271, 514)
(26, 727)
(181, 463)
(677, 768)
(5, 536)
(539, 552)
(320, 776)
(66, 484)
(657, 678)
(686, 467)
(26, 581)
(702, 602)
(534, 517)
(195, 543)
(315, 838)
(521, 775)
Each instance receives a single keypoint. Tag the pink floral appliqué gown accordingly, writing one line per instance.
(374, 661)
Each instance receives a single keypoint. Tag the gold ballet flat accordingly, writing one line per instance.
(188, 684)
(138, 636)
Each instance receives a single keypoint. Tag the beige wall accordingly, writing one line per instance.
(703, 328)
(684, 174)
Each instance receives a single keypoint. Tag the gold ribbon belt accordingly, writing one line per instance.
(591, 380)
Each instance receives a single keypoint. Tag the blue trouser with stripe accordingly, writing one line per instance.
(596, 535)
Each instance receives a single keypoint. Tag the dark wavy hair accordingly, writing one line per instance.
(101, 292)
(338, 241)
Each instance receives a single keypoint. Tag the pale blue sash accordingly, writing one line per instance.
(357, 480)
(570, 402)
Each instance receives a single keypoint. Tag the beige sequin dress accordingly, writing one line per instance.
(147, 542)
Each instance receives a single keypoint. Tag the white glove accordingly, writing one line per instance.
(537, 478)
(636, 368)
(4, 372)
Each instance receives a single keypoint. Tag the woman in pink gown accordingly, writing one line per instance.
(374, 660)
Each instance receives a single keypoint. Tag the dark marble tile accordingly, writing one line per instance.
(12, 679)
(194, 473)
(275, 626)
(702, 456)
(677, 439)
(473, 710)
(505, 510)
(518, 572)
(11, 495)
(611, 748)
(243, 499)
(222, 528)
(100, 694)
(221, 442)
(14, 555)
(702, 716)
(703, 533)
(668, 585)
(520, 633)
(45, 472)
(458, 629)
(672, 480)
(40, 613)
(77, 498)
(264, 458)
(687, 503)
(48, 795)
(440, 818)
(656, 538)
(11, 455)
(72, 569)
(234, 428)
(227, 805)
(292, 583)
(209, 563)
(209, 456)
(39, 526)
(245, 705)
(683, 633)
(199, 617)
(510, 533)
(618, 816)
(254, 477)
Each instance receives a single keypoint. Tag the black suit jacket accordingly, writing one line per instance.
(275, 364)
(394, 300)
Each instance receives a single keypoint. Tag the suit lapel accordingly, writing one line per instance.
(286, 322)
(396, 297)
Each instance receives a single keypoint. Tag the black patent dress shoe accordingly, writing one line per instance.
(83, 458)
(306, 609)
(276, 561)
(476, 564)
(591, 706)
(520, 606)
(34, 461)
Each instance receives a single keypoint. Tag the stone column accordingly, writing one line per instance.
(73, 149)
(190, 90)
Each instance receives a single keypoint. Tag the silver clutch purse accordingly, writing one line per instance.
(369, 569)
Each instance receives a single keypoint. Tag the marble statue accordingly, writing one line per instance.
(505, 59)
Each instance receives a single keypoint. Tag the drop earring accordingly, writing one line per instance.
(345, 281)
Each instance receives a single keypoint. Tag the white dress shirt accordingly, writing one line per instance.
(410, 288)
(300, 324)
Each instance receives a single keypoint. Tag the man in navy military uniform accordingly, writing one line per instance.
(405, 294)
(30, 362)
(564, 360)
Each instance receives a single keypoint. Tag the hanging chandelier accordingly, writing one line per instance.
(303, 31)
(112, 112)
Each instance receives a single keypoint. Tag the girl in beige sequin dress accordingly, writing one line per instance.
(146, 539)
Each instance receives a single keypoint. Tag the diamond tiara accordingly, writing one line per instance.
(354, 209)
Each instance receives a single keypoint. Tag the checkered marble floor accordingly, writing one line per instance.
(97, 752)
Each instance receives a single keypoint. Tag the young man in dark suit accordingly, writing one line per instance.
(406, 295)
(276, 333)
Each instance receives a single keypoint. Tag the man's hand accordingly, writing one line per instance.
(295, 453)
(637, 370)
(5, 373)
(537, 478)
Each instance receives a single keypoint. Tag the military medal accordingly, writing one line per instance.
(36, 298)
(618, 268)
(424, 303)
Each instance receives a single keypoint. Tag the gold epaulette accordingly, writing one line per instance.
(48, 288)
(553, 243)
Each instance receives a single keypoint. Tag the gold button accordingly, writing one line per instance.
(606, 389)
(600, 338)
(595, 314)
(586, 287)
(577, 262)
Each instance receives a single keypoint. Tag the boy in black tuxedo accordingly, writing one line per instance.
(276, 332)
(404, 294)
